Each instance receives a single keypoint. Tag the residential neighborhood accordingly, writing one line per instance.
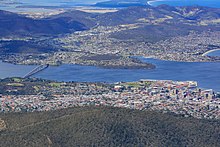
(179, 97)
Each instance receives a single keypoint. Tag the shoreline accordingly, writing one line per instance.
(155, 58)
(106, 70)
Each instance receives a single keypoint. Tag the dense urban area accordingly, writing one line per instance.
(179, 97)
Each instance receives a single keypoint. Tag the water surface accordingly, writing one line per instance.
(214, 53)
(207, 74)
(11, 70)
(17, 5)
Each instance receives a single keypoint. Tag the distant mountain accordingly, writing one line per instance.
(173, 15)
(18, 25)
(121, 3)
(15, 25)
(153, 24)
(161, 22)
(105, 126)
(87, 19)
(165, 16)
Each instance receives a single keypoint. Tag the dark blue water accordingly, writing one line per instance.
(11, 70)
(215, 53)
(207, 74)
(207, 3)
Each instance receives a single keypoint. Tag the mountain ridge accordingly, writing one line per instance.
(70, 21)
(12, 24)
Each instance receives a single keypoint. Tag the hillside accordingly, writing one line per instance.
(153, 24)
(163, 19)
(12, 24)
(150, 20)
(105, 126)
(121, 3)
(132, 31)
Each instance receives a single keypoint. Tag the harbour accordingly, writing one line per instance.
(205, 73)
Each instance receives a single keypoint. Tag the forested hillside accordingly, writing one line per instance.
(105, 126)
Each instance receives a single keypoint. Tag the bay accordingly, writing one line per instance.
(207, 74)
(11, 70)
(28, 5)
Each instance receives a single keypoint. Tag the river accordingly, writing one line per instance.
(206, 74)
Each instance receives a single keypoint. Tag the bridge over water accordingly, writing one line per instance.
(206, 53)
(36, 70)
